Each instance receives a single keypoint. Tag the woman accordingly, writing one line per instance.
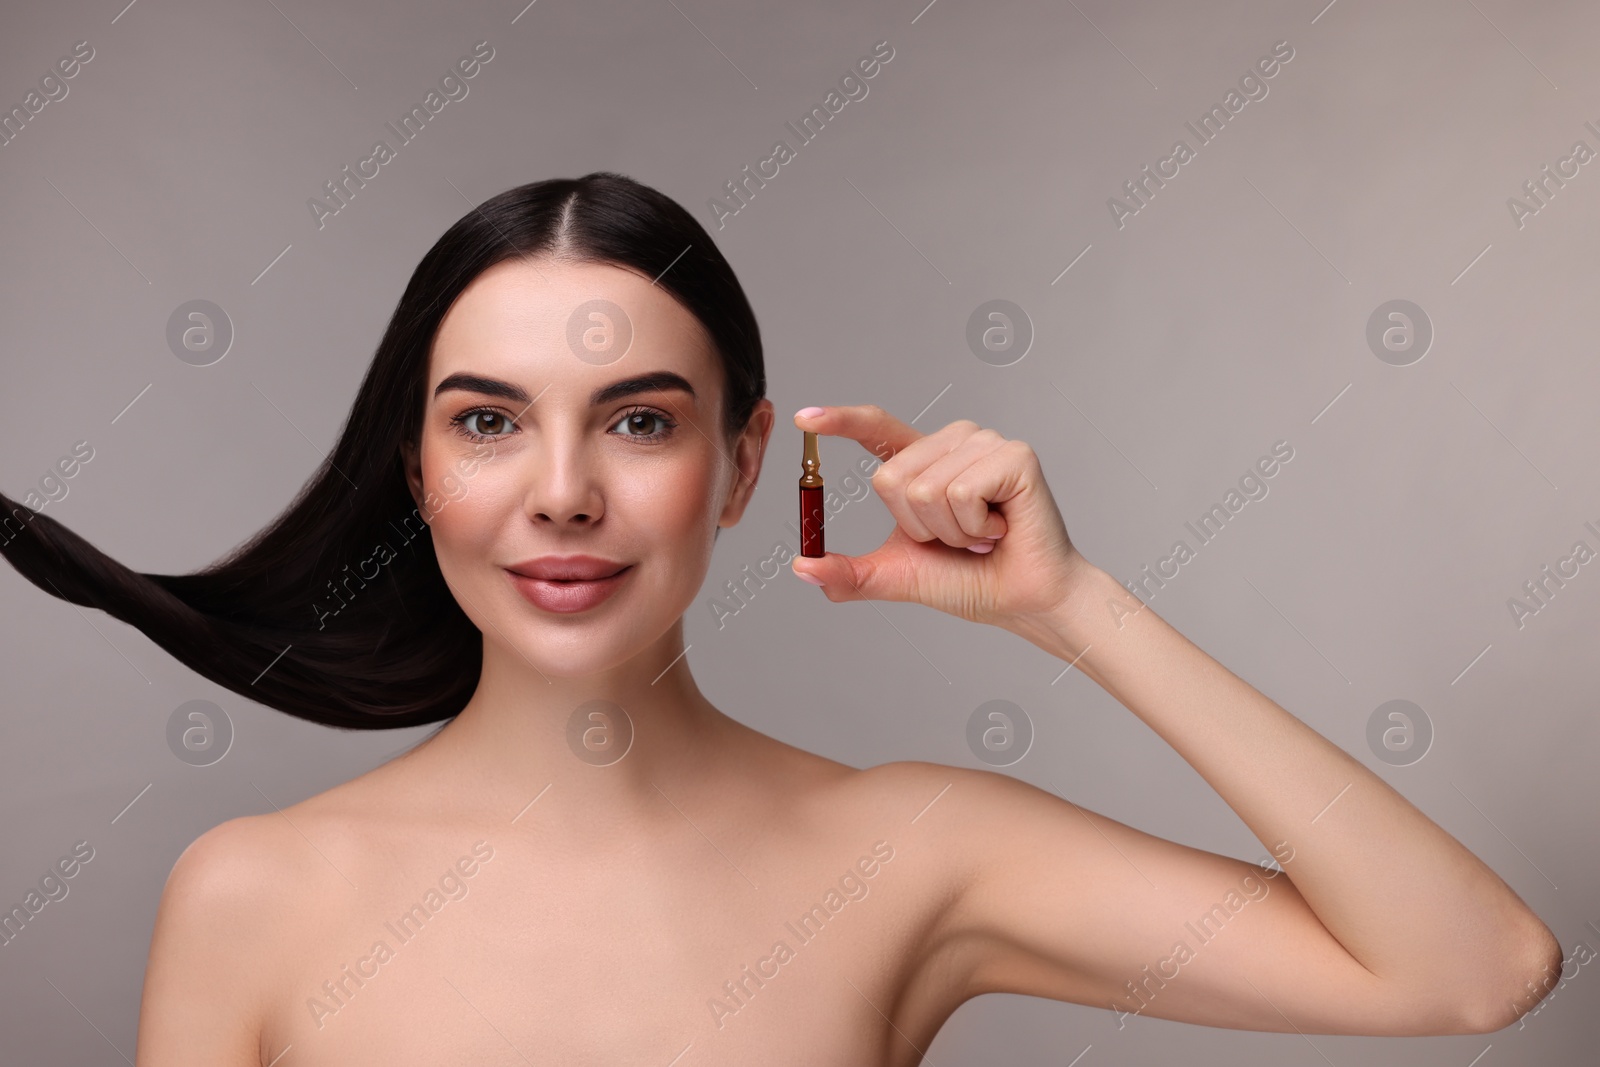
(589, 862)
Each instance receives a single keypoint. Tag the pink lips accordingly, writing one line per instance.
(568, 584)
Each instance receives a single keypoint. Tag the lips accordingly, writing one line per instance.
(568, 584)
(568, 568)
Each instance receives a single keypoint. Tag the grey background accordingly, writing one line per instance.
(1228, 314)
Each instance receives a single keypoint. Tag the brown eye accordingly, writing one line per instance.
(645, 424)
(490, 423)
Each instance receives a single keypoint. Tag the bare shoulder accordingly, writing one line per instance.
(239, 879)
(243, 862)
(973, 822)
(212, 955)
(949, 819)
(946, 801)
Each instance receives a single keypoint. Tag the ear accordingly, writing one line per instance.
(411, 463)
(749, 448)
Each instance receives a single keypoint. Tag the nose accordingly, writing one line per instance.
(563, 487)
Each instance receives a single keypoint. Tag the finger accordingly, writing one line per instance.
(867, 424)
(992, 479)
(893, 479)
(886, 573)
(948, 498)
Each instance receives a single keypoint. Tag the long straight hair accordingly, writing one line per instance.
(294, 618)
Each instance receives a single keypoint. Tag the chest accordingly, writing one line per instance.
(788, 952)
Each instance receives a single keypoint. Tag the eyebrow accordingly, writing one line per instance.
(655, 381)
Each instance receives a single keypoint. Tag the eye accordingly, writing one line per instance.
(639, 418)
(493, 424)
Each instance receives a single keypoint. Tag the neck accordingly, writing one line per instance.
(614, 741)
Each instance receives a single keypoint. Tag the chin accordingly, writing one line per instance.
(577, 646)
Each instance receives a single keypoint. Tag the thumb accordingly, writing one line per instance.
(884, 574)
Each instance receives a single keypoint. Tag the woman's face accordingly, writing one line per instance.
(575, 409)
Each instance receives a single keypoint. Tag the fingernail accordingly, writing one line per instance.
(995, 537)
(809, 413)
(981, 547)
(804, 577)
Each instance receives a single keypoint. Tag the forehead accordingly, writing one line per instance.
(579, 323)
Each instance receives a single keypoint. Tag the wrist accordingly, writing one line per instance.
(1062, 629)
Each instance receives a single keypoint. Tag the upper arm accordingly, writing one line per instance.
(1058, 901)
(203, 982)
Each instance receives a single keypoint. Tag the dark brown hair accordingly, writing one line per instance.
(288, 619)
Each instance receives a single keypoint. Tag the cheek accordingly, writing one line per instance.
(674, 502)
(467, 510)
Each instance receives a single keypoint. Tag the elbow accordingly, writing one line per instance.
(1519, 987)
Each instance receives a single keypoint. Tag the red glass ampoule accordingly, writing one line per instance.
(811, 500)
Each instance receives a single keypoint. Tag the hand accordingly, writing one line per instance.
(959, 486)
